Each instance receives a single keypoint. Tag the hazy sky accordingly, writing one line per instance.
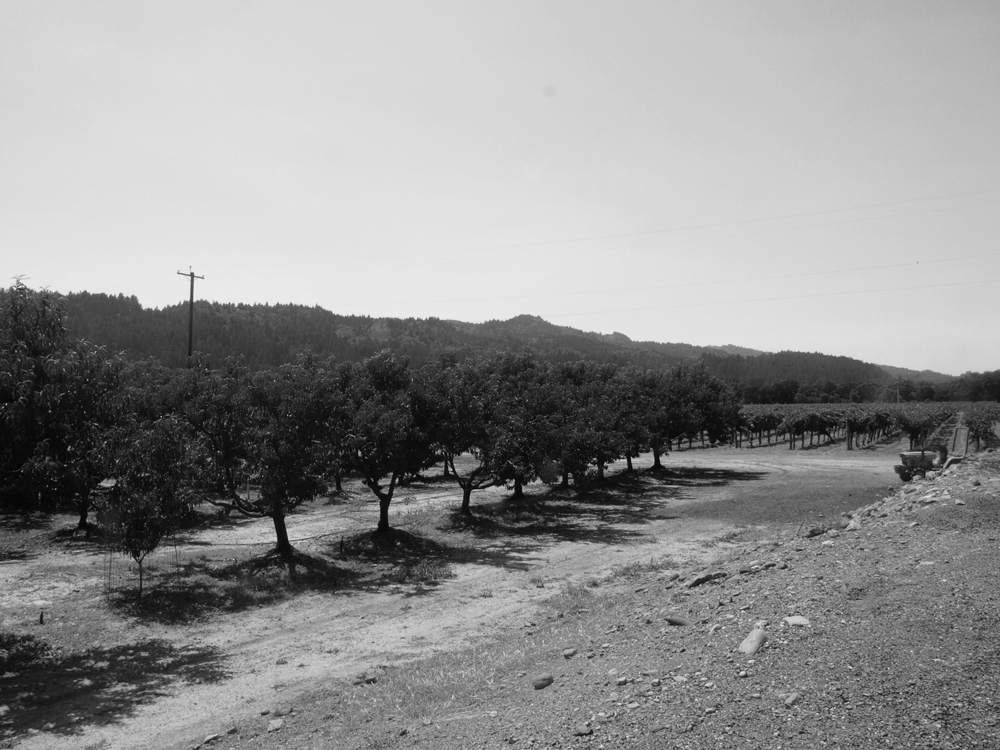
(815, 176)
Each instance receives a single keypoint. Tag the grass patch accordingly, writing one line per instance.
(200, 589)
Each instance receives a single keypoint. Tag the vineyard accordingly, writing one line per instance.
(858, 425)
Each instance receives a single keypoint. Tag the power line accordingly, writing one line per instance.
(714, 303)
(740, 280)
(670, 230)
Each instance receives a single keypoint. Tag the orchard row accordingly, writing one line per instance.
(140, 444)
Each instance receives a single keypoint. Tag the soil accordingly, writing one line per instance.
(314, 659)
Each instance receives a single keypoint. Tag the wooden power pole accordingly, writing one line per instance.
(190, 312)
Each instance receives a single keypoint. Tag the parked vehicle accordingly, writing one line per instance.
(918, 463)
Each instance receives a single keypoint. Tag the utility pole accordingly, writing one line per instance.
(190, 311)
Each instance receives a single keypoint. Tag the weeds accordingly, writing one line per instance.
(424, 571)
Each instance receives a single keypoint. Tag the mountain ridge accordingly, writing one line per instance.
(268, 335)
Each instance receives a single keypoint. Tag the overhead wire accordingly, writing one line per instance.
(663, 287)
(424, 259)
(716, 302)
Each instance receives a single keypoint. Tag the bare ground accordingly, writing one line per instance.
(185, 665)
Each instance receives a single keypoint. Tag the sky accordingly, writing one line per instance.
(819, 176)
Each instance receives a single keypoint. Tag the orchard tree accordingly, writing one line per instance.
(80, 404)
(289, 451)
(631, 425)
(217, 406)
(32, 330)
(711, 406)
(588, 430)
(151, 467)
(528, 418)
(465, 398)
(58, 399)
(653, 392)
(389, 436)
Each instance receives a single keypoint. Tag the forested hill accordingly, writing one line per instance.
(799, 366)
(270, 335)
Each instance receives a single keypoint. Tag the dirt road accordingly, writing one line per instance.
(247, 662)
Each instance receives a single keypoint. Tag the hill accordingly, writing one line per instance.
(270, 335)
(927, 376)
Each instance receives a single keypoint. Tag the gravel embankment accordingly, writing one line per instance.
(901, 649)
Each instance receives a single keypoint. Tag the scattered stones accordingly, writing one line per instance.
(792, 699)
(275, 725)
(569, 653)
(542, 681)
(796, 621)
(582, 730)
(211, 738)
(704, 578)
(757, 638)
(677, 620)
(282, 661)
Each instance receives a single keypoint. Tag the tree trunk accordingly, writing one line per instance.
(384, 500)
(283, 547)
(656, 457)
(564, 484)
(600, 472)
(466, 497)
(336, 481)
(628, 464)
(518, 489)
(383, 514)
(84, 510)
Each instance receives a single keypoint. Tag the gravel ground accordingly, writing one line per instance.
(897, 647)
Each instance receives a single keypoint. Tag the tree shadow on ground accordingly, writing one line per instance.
(16, 553)
(609, 511)
(23, 535)
(25, 521)
(429, 481)
(62, 694)
(200, 588)
(699, 476)
(73, 538)
(403, 556)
